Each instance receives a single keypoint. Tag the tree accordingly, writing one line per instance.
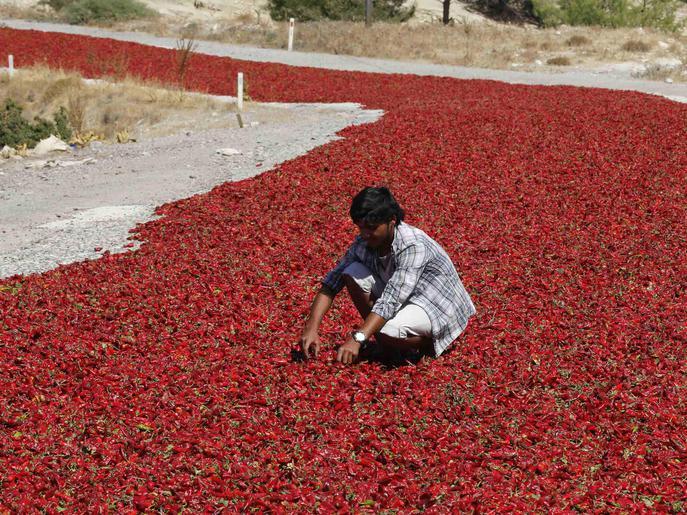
(347, 10)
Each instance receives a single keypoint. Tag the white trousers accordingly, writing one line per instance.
(411, 320)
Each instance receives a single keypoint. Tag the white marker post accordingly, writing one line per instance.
(239, 92)
(10, 62)
(291, 24)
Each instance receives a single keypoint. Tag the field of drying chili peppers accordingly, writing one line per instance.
(162, 379)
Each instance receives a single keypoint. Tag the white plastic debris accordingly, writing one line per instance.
(228, 152)
(50, 144)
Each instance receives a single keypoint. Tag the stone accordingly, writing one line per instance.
(228, 152)
(7, 152)
(50, 144)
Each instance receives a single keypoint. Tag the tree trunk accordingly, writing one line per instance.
(447, 7)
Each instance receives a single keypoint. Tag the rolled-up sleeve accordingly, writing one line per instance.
(334, 279)
(410, 263)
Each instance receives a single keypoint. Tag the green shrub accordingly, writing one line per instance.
(15, 130)
(607, 13)
(547, 12)
(57, 5)
(348, 10)
(79, 12)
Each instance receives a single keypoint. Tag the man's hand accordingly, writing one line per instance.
(348, 352)
(310, 342)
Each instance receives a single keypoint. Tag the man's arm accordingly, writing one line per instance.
(320, 305)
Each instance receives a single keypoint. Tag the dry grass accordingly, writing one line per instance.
(560, 60)
(636, 45)
(663, 73)
(466, 43)
(578, 40)
(39, 13)
(107, 109)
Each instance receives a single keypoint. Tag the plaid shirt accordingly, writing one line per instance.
(423, 275)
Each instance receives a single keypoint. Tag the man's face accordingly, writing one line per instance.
(374, 235)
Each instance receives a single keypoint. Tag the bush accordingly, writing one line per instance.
(607, 13)
(57, 5)
(348, 10)
(79, 12)
(15, 130)
(547, 12)
(636, 45)
(578, 40)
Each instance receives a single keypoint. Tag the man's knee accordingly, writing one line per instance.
(356, 276)
(392, 330)
(412, 321)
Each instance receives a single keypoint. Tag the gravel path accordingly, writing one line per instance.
(62, 210)
(613, 78)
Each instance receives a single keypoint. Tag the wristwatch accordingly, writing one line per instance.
(359, 337)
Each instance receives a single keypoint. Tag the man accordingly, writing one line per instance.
(402, 282)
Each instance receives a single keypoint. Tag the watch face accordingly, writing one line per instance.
(359, 337)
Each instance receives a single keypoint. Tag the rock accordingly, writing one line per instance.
(66, 164)
(50, 144)
(41, 164)
(7, 152)
(668, 62)
(663, 45)
(228, 152)
(538, 62)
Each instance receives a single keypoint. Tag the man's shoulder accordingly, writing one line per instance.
(410, 235)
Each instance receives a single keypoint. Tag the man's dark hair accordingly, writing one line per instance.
(375, 206)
